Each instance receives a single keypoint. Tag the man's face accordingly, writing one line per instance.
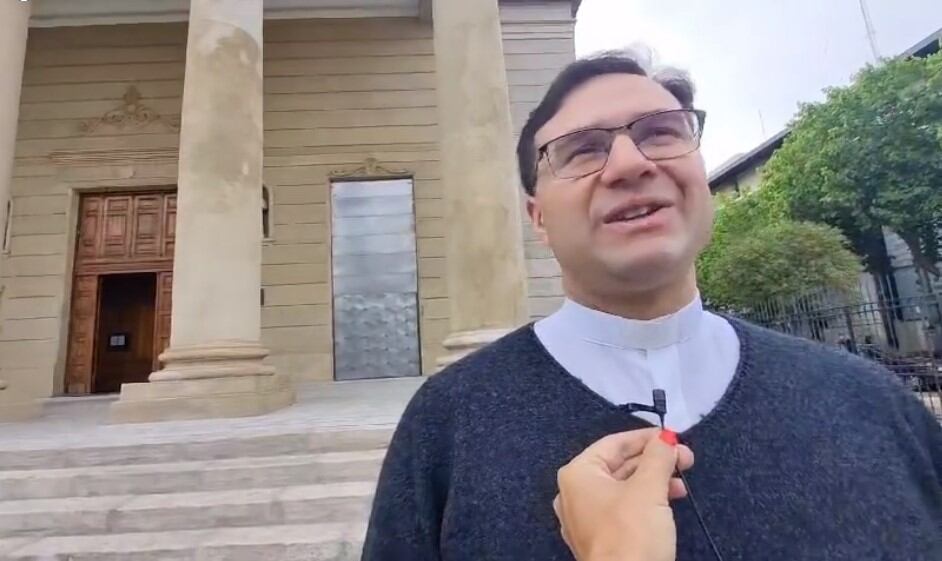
(587, 221)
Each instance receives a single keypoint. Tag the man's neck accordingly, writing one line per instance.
(643, 305)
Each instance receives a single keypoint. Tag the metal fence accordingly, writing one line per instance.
(902, 334)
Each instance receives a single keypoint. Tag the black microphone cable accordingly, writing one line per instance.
(660, 409)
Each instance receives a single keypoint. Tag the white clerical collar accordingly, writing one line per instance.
(610, 330)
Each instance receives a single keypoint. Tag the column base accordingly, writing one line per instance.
(462, 343)
(225, 379)
(16, 407)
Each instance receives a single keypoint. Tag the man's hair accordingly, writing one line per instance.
(573, 76)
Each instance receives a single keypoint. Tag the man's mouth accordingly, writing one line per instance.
(634, 213)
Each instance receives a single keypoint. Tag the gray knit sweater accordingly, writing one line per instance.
(812, 454)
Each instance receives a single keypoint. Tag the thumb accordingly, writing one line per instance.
(657, 466)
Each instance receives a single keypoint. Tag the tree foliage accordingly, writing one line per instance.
(869, 157)
(757, 254)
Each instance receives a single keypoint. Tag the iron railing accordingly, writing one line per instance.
(902, 334)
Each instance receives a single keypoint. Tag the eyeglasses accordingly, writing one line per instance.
(659, 136)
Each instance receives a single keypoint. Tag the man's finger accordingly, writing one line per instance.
(613, 450)
(685, 457)
(676, 490)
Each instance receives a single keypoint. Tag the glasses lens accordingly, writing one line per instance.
(666, 135)
(580, 153)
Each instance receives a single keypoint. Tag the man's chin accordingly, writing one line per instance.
(649, 271)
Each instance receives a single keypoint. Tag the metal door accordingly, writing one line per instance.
(375, 284)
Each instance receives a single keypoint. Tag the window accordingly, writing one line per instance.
(7, 226)
(266, 213)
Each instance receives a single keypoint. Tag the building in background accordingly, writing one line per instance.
(909, 289)
(228, 204)
(742, 173)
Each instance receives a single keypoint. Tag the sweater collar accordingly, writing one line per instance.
(609, 330)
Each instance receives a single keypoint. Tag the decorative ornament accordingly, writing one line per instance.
(131, 113)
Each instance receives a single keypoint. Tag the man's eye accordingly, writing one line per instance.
(585, 149)
(661, 135)
(666, 131)
(588, 149)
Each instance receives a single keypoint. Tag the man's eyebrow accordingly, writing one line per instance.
(604, 123)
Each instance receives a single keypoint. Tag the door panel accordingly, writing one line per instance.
(145, 241)
(162, 315)
(82, 327)
(121, 232)
(116, 238)
(169, 229)
(89, 229)
(374, 280)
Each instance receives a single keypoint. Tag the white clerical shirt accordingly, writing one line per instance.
(691, 354)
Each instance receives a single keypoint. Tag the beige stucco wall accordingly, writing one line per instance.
(538, 43)
(336, 93)
(74, 76)
(749, 179)
(745, 182)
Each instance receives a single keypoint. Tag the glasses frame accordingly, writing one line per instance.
(700, 114)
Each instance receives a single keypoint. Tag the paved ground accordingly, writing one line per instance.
(80, 422)
(293, 485)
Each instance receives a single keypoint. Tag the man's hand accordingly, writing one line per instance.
(613, 497)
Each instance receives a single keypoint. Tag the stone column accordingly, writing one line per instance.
(214, 367)
(486, 273)
(14, 24)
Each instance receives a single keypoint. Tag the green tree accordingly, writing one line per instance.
(869, 157)
(757, 255)
(782, 260)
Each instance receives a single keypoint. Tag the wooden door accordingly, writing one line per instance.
(162, 315)
(83, 325)
(118, 233)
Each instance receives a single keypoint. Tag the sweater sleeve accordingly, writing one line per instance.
(407, 509)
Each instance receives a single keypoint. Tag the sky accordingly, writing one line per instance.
(754, 61)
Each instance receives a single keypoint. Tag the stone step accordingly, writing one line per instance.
(307, 542)
(347, 502)
(292, 443)
(191, 476)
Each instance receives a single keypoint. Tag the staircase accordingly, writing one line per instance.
(301, 491)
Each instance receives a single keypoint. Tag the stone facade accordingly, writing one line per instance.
(101, 109)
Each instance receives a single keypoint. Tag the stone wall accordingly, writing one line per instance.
(538, 43)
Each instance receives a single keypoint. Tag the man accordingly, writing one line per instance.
(803, 452)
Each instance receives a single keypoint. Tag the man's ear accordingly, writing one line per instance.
(536, 219)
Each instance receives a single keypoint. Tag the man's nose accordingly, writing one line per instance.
(626, 163)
